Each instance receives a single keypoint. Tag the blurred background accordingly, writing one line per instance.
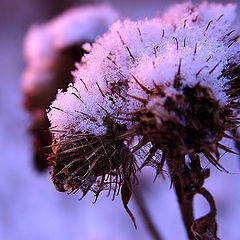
(31, 208)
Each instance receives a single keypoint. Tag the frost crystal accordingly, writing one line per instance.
(197, 43)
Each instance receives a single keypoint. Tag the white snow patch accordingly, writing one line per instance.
(150, 51)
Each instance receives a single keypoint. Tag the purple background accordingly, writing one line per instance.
(30, 207)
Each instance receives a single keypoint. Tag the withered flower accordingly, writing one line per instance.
(168, 87)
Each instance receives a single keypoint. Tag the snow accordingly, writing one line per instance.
(43, 42)
(149, 50)
(30, 208)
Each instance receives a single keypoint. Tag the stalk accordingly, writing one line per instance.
(185, 199)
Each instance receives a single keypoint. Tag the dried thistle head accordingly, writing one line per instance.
(188, 122)
(161, 80)
(89, 162)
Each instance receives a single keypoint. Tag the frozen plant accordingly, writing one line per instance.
(167, 86)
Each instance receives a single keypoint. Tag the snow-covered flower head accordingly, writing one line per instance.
(169, 83)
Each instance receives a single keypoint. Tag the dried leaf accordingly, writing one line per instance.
(126, 195)
(205, 228)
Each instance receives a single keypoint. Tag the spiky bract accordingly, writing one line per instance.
(89, 162)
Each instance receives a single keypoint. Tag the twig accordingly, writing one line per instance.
(185, 200)
(236, 136)
(137, 194)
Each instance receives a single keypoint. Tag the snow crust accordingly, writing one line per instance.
(43, 42)
(196, 37)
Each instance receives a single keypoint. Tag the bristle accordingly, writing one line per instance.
(82, 158)
(141, 85)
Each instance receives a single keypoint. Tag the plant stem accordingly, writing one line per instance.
(145, 214)
(185, 200)
(236, 135)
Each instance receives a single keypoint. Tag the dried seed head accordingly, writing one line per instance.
(157, 81)
(187, 122)
(89, 162)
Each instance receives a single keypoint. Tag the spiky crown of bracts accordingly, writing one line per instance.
(170, 81)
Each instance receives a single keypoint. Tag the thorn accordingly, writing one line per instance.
(96, 197)
(141, 85)
(184, 43)
(84, 194)
(120, 37)
(100, 90)
(121, 74)
(59, 109)
(160, 89)
(228, 34)
(116, 184)
(103, 109)
(111, 60)
(208, 26)
(177, 80)
(160, 166)
(217, 154)
(75, 88)
(140, 34)
(220, 17)
(196, 18)
(226, 149)
(84, 84)
(176, 41)
(125, 119)
(195, 49)
(201, 70)
(185, 21)
(209, 58)
(155, 49)
(132, 58)
(121, 96)
(77, 97)
(163, 33)
(151, 153)
(90, 117)
(232, 42)
(230, 137)
(215, 67)
(212, 160)
(139, 99)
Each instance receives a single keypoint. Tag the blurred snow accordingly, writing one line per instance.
(31, 209)
(44, 42)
